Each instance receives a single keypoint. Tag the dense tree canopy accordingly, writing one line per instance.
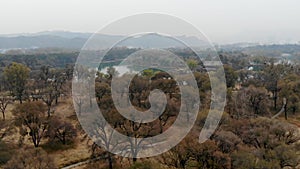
(16, 76)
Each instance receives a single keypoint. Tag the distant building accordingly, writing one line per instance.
(284, 58)
(212, 65)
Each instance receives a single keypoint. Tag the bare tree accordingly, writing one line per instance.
(4, 101)
(61, 130)
(48, 97)
(103, 137)
(79, 102)
(51, 83)
(6, 127)
(31, 120)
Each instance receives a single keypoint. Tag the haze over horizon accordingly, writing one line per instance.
(230, 21)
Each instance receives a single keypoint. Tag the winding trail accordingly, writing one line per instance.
(282, 109)
(81, 163)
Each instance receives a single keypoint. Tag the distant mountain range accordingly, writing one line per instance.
(75, 40)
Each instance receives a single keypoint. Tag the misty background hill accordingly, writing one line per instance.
(76, 40)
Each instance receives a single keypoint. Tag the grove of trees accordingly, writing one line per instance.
(34, 127)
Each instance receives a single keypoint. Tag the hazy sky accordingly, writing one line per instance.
(223, 21)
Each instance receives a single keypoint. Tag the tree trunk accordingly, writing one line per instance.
(35, 140)
(182, 163)
(3, 115)
(285, 112)
(64, 139)
(110, 161)
(294, 110)
(56, 100)
(160, 126)
(91, 102)
(275, 102)
(49, 111)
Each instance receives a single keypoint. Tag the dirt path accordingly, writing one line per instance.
(81, 163)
